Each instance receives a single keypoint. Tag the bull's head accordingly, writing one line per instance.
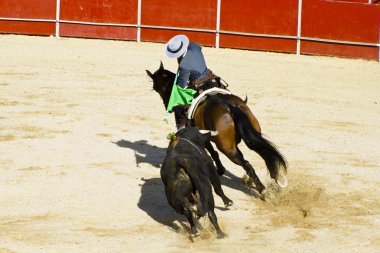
(206, 133)
(196, 136)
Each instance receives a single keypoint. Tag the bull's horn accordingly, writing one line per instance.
(213, 133)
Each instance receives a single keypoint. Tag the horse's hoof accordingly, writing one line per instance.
(267, 195)
(247, 181)
(282, 180)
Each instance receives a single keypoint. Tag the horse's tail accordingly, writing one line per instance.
(274, 160)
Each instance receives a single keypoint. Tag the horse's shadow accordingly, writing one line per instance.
(144, 152)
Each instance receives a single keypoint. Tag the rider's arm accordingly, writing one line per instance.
(198, 46)
(183, 77)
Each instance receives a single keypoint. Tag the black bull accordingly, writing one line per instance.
(187, 173)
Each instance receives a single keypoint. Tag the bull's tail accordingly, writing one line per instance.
(274, 160)
(200, 185)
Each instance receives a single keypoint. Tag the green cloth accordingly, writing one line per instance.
(180, 96)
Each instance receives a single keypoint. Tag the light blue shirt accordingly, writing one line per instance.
(192, 65)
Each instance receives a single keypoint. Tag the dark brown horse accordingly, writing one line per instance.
(232, 118)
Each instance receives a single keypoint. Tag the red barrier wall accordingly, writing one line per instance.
(159, 35)
(353, 22)
(327, 28)
(32, 28)
(28, 9)
(353, 1)
(99, 11)
(39, 9)
(348, 22)
(196, 14)
(259, 17)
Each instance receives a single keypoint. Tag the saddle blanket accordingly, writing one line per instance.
(202, 97)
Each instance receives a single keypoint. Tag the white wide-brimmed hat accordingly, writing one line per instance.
(176, 46)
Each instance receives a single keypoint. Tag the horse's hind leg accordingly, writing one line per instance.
(252, 174)
(215, 157)
(237, 157)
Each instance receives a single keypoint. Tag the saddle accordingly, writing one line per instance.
(207, 85)
(203, 96)
(208, 80)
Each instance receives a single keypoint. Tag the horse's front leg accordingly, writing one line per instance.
(215, 156)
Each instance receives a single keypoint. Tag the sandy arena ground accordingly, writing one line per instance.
(82, 137)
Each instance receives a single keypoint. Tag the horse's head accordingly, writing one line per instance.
(162, 82)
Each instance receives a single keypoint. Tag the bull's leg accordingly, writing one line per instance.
(215, 157)
(214, 221)
(237, 157)
(215, 181)
(190, 218)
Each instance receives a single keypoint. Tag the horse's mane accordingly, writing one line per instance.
(171, 75)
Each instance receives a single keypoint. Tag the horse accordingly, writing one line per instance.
(231, 117)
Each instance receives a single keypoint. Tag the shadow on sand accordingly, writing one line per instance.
(237, 183)
(144, 152)
(153, 155)
(153, 200)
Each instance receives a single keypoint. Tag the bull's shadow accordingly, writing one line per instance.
(144, 152)
(153, 155)
(153, 201)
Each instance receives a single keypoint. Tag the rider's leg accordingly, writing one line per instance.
(180, 116)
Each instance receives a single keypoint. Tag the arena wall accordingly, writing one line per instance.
(345, 28)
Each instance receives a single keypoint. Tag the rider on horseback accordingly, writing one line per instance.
(192, 72)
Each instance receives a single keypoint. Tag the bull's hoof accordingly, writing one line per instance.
(221, 235)
(195, 234)
(228, 203)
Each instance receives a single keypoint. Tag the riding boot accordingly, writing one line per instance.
(180, 116)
